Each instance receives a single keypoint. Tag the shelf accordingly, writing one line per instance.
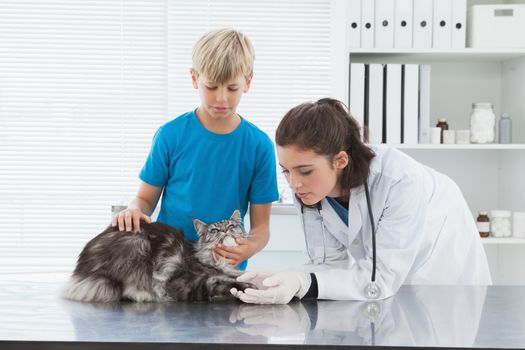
(492, 146)
(430, 55)
(507, 240)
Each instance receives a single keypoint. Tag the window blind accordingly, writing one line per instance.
(82, 89)
(84, 84)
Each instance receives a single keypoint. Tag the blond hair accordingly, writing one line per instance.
(223, 54)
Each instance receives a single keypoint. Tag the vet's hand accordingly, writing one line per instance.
(235, 255)
(281, 288)
(129, 219)
(255, 278)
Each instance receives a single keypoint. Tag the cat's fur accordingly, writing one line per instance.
(156, 265)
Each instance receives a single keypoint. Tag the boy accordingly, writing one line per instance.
(211, 161)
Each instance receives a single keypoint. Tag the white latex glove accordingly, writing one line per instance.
(255, 278)
(271, 321)
(281, 288)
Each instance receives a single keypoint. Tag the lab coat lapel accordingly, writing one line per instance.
(334, 224)
(357, 198)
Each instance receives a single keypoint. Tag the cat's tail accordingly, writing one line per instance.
(92, 289)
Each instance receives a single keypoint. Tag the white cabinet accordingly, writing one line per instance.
(491, 176)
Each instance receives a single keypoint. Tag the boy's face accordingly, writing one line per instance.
(220, 101)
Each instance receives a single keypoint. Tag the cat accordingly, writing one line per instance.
(157, 265)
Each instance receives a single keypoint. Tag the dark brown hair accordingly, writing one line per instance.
(327, 127)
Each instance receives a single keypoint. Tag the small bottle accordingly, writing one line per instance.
(483, 223)
(505, 128)
(442, 123)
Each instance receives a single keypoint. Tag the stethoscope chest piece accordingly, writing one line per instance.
(372, 291)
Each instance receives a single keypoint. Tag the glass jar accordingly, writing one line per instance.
(500, 225)
(482, 123)
(483, 224)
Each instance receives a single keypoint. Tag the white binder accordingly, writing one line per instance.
(393, 104)
(422, 28)
(410, 115)
(459, 23)
(357, 93)
(384, 19)
(403, 17)
(424, 103)
(442, 28)
(367, 24)
(354, 23)
(375, 103)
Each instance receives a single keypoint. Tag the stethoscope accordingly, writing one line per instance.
(372, 290)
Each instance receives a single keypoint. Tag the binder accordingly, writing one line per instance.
(393, 103)
(354, 23)
(442, 28)
(410, 104)
(375, 103)
(459, 23)
(424, 103)
(422, 27)
(367, 24)
(403, 17)
(384, 19)
(357, 93)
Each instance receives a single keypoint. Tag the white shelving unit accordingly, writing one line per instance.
(507, 240)
(433, 55)
(491, 176)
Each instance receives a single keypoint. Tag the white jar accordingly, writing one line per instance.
(449, 137)
(500, 225)
(482, 123)
(519, 224)
(463, 137)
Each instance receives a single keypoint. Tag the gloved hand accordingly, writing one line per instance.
(281, 288)
(272, 321)
(255, 278)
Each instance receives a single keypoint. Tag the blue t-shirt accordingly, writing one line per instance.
(207, 176)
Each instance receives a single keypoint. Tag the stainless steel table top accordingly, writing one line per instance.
(32, 315)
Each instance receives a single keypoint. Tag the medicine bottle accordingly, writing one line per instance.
(505, 129)
(442, 123)
(482, 123)
(483, 223)
(500, 225)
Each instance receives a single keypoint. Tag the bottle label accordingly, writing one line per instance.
(483, 226)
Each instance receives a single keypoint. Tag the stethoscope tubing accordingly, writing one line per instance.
(372, 288)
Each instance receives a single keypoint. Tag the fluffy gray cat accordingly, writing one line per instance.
(156, 265)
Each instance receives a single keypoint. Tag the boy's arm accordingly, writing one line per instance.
(258, 236)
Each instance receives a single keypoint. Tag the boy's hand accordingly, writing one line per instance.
(235, 255)
(129, 219)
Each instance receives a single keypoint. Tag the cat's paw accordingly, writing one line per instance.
(241, 286)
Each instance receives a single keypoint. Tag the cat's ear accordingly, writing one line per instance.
(200, 226)
(236, 216)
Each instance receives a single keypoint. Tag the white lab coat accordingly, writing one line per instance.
(425, 233)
